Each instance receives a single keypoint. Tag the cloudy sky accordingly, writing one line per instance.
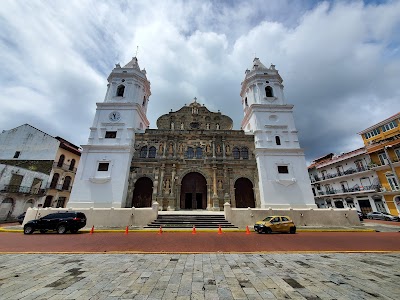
(340, 60)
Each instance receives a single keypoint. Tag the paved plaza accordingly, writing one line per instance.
(200, 276)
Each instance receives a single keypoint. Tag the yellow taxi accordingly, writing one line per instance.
(275, 224)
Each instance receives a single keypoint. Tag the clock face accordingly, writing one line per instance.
(114, 116)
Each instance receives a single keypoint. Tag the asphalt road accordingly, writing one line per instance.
(201, 242)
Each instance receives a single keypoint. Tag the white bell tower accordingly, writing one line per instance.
(102, 176)
(282, 171)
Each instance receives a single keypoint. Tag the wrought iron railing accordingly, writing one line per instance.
(9, 188)
(60, 187)
(340, 173)
(373, 187)
(64, 167)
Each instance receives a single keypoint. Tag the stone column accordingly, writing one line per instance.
(209, 198)
(178, 197)
(160, 189)
(223, 148)
(213, 147)
(215, 199)
(214, 181)
(165, 149)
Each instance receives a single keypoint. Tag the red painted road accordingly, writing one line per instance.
(201, 242)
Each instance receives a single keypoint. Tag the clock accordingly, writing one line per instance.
(114, 116)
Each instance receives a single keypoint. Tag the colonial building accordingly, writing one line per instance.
(346, 181)
(193, 160)
(382, 142)
(36, 169)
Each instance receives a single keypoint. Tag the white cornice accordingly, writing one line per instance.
(279, 151)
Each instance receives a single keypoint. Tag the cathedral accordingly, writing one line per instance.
(193, 160)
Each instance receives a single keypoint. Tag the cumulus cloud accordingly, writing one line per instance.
(340, 61)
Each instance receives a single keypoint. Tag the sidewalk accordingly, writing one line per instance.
(365, 227)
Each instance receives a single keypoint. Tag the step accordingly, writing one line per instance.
(190, 220)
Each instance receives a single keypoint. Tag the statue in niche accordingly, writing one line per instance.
(218, 148)
(172, 125)
(220, 184)
(208, 148)
(171, 149)
(208, 126)
(228, 149)
(180, 148)
(167, 187)
(217, 126)
(160, 149)
(182, 126)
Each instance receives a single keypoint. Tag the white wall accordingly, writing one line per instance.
(31, 142)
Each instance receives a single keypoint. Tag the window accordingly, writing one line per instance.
(389, 126)
(111, 134)
(61, 160)
(394, 185)
(189, 152)
(277, 140)
(397, 151)
(245, 101)
(152, 152)
(236, 153)
(72, 165)
(372, 133)
(283, 169)
(143, 152)
(54, 181)
(17, 153)
(284, 219)
(199, 152)
(103, 167)
(268, 92)
(382, 158)
(144, 101)
(67, 183)
(244, 153)
(61, 201)
(120, 91)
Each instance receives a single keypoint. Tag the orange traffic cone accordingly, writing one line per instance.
(92, 230)
(194, 230)
(219, 230)
(126, 230)
(160, 231)
(247, 230)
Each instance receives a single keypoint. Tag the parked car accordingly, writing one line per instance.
(360, 215)
(21, 217)
(378, 215)
(60, 222)
(275, 224)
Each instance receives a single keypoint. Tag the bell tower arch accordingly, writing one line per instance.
(282, 171)
(102, 175)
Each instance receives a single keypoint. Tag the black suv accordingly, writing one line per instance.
(60, 222)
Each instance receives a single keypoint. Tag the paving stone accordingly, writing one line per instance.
(200, 276)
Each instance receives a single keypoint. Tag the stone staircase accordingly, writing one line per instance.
(190, 220)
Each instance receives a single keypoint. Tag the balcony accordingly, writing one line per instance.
(64, 167)
(347, 172)
(28, 190)
(354, 189)
(60, 187)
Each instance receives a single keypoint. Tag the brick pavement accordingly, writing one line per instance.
(200, 276)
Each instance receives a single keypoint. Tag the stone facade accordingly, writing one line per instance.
(195, 147)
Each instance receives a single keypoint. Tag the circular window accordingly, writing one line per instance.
(194, 125)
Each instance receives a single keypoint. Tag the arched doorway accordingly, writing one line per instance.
(142, 192)
(244, 194)
(194, 191)
(29, 204)
(6, 208)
